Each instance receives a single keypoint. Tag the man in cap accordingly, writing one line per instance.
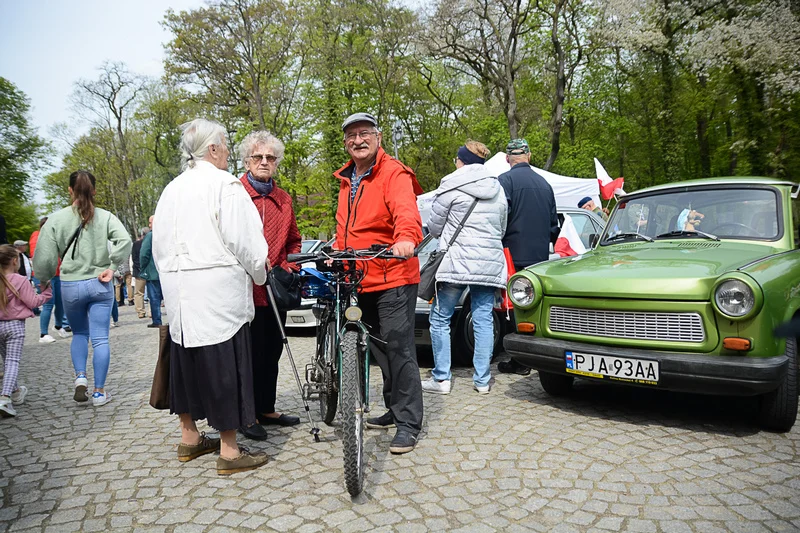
(588, 204)
(532, 220)
(377, 205)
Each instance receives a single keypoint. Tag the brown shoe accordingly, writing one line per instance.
(247, 460)
(187, 452)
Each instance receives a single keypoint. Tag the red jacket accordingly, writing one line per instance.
(280, 231)
(384, 212)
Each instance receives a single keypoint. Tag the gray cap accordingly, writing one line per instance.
(359, 117)
(20, 243)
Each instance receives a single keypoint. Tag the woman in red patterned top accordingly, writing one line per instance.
(261, 154)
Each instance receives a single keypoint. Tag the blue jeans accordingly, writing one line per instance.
(154, 289)
(115, 312)
(88, 305)
(444, 304)
(47, 309)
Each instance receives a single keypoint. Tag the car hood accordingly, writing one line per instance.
(662, 270)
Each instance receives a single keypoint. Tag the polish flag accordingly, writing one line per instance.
(569, 242)
(505, 302)
(608, 187)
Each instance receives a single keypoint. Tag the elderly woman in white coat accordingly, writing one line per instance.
(209, 249)
(475, 261)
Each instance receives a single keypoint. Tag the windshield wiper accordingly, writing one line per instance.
(626, 235)
(688, 233)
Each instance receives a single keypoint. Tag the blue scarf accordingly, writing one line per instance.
(261, 187)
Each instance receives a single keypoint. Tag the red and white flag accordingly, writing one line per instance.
(569, 242)
(608, 187)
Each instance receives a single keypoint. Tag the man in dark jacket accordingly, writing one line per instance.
(147, 270)
(532, 219)
(139, 282)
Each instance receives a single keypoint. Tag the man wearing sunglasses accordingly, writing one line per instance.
(378, 205)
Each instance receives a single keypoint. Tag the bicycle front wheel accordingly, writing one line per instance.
(352, 414)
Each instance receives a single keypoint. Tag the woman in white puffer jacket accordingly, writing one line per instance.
(475, 261)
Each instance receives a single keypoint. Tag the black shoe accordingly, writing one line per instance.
(68, 329)
(512, 367)
(283, 420)
(153, 325)
(254, 432)
(385, 421)
(403, 442)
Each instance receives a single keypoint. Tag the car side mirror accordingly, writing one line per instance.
(593, 238)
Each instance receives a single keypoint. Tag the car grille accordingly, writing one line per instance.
(676, 327)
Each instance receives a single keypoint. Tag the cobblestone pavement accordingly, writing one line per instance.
(606, 459)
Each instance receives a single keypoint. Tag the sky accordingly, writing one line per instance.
(48, 45)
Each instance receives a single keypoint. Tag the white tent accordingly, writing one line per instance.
(568, 191)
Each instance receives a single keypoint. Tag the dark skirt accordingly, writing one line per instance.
(214, 382)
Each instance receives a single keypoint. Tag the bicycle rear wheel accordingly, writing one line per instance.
(329, 388)
(352, 414)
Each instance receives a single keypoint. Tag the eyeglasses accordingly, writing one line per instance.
(366, 134)
(257, 158)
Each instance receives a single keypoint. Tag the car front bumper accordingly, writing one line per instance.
(302, 317)
(679, 371)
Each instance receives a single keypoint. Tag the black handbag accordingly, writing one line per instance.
(427, 275)
(286, 287)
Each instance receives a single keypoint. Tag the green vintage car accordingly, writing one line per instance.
(683, 292)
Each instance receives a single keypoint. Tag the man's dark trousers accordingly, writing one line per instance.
(391, 313)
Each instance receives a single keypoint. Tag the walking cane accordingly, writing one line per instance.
(314, 429)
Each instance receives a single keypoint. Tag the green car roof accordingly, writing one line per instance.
(728, 180)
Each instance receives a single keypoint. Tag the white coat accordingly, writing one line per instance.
(476, 257)
(209, 248)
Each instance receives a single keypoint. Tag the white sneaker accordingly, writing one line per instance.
(114, 324)
(18, 396)
(436, 387)
(99, 398)
(47, 339)
(482, 389)
(6, 409)
(81, 386)
(63, 333)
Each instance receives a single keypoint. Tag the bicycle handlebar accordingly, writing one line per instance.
(376, 251)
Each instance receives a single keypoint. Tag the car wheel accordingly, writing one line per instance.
(555, 384)
(464, 341)
(779, 407)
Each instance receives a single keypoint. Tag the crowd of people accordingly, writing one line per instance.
(207, 252)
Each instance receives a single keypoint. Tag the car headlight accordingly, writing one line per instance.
(522, 292)
(734, 298)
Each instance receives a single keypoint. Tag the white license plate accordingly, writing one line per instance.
(627, 369)
(298, 319)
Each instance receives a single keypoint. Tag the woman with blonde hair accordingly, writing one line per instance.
(79, 235)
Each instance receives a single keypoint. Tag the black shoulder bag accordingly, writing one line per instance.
(427, 275)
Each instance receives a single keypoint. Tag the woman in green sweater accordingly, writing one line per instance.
(79, 235)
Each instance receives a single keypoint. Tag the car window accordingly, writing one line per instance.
(584, 227)
(726, 212)
(307, 246)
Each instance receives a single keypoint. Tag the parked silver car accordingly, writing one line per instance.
(302, 317)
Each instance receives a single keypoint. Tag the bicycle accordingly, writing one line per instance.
(338, 375)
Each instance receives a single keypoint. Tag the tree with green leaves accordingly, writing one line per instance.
(21, 155)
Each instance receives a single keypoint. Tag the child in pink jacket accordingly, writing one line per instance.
(17, 298)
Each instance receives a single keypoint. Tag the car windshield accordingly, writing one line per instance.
(307, 246)
(749, 214)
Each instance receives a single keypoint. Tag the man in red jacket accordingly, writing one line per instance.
(261, 154)
(377, 205)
